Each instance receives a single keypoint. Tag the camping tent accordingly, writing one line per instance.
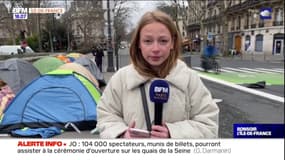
(92, 67)
(65, 58)
(75, 55)
(17, 73)
(54, 99)
(81, 70)
(47, 64)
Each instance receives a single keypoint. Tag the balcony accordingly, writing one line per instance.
(193, 27)
(253, 26)
(211, 3)
(237, 27)
(260, 25)
(277, 23)
(212, 19)
(245, 27)
(253, 3)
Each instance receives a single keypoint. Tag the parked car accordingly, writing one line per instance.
(14, 49)
(123, 44)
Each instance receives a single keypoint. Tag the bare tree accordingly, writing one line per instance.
(11, 25)
(198, 11)
(4, 19)
(88, 17)
(121, 14)
(223, 5)
(177, 10)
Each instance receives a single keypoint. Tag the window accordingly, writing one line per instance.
(278, 14)
(238, 22)
(247, 19)
(247, 42)
(259, 43)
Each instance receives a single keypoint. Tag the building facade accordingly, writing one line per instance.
(238, 25)
(249, 31)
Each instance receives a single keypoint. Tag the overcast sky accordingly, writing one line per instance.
(142, 7)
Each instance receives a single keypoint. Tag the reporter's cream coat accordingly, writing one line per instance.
(189, 113)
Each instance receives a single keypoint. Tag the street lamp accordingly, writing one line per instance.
(110, 67)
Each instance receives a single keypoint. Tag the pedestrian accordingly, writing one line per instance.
(155, 48)
(99, 54)
(23, 46)
(94, 51)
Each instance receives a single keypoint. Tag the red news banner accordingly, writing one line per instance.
(32, 146)
(127, 149)
(122, 146)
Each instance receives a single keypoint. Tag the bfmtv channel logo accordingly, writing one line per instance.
(265, 13)
(161, 94)
(20, 13)
(161, 89)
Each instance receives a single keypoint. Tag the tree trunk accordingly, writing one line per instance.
(51, 42)
(225, 36)
(203, 36)
(39, 28)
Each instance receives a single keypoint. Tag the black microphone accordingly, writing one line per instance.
(159, 94)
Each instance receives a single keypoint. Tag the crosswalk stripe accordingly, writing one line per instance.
(255, 70)
(279, 69)
(271, 70)
(201, 69)
(225, 70)
(245, 70)
(198, 68)
(239, 70)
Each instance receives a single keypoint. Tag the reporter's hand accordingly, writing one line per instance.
(127, 133)
(158, 131)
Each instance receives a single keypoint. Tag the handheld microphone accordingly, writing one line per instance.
(159, 94)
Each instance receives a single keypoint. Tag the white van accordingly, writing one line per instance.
(13, 49)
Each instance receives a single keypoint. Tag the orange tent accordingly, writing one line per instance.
(63, 58)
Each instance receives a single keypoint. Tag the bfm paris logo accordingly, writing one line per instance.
(22, 13)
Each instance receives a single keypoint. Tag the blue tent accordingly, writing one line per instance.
(54, 99)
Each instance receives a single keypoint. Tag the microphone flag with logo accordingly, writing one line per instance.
(159, 94)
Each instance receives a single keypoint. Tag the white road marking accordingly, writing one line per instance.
(238, 70)
(218, 100)
(256, 70)
(245, 89)
(271, 70)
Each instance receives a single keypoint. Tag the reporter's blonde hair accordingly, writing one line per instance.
(142, 66)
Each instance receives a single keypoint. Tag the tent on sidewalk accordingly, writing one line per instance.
(81, 70)
(75, 55)
(65, 59)
(17, 73)
(57, 98)
(93, 68)
(47, 64)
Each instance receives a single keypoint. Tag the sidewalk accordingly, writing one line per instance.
(260, 58)
(107, 76)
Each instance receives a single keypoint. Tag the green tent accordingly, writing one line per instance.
(47, 64)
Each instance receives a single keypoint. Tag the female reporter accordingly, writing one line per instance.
(155, 48)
